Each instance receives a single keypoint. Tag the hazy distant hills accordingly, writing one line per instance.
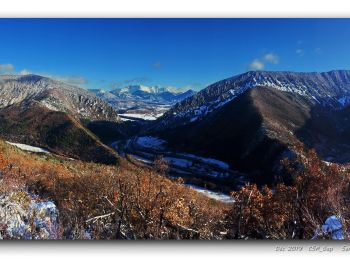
(253, 120)
(146, 94)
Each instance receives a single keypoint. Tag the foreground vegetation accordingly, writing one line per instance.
(96, 201)
(109, 202)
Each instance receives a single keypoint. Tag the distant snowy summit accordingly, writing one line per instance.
(145, 93)
(139, 102)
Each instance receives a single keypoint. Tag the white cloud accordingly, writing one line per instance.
(73, 80)
(6, 68)
(131, 81)
(256, 65)
(259, 64)
(24, 72)
(70, 79)
(300, 52)
(272, 58)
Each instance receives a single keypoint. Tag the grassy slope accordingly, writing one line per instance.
(56, 131)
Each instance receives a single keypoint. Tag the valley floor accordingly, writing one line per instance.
(206, 175)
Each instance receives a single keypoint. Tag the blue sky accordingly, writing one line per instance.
(107, 53)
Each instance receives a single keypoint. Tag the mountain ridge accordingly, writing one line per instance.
(327, 88)
(55, 95)
(39, 111)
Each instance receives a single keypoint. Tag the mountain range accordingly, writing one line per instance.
(251, 121)
(139, 102)
(256, 119)
(153, 94)
(96, 174)
(329, 89)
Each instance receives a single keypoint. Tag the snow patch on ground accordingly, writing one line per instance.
(194, 119)
(141, 159)
(140, 116)
(25, 217)
(125, 119)
(178, 162)
(212, 194)
(332, 226)
(49, 105)
(29, 148)
(151, 142)
(212, 161)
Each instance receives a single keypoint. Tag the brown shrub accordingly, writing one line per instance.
(319, 191)
(107, 202)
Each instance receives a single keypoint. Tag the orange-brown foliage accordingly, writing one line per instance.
(109, 202)
(319, 191)
(129, 202)
(263, 213)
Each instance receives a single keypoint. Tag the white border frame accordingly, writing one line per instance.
(165, 8)
(175, 8)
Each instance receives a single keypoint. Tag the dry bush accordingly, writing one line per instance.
(263, 213)
(161, 165)
(322, 191)
(108, 202)
(131, 202)
(319, 191)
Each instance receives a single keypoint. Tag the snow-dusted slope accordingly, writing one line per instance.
(330, 89)
(54, 95)
(23, 216)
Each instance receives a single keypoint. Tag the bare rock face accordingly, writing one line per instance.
(54, 95)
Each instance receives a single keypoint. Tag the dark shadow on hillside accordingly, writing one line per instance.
(109, 132)
(234, 134)
(56, 131)
(328, 132)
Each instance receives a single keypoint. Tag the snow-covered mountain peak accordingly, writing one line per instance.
(134, 88)
(331, 89)
(157, 94)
